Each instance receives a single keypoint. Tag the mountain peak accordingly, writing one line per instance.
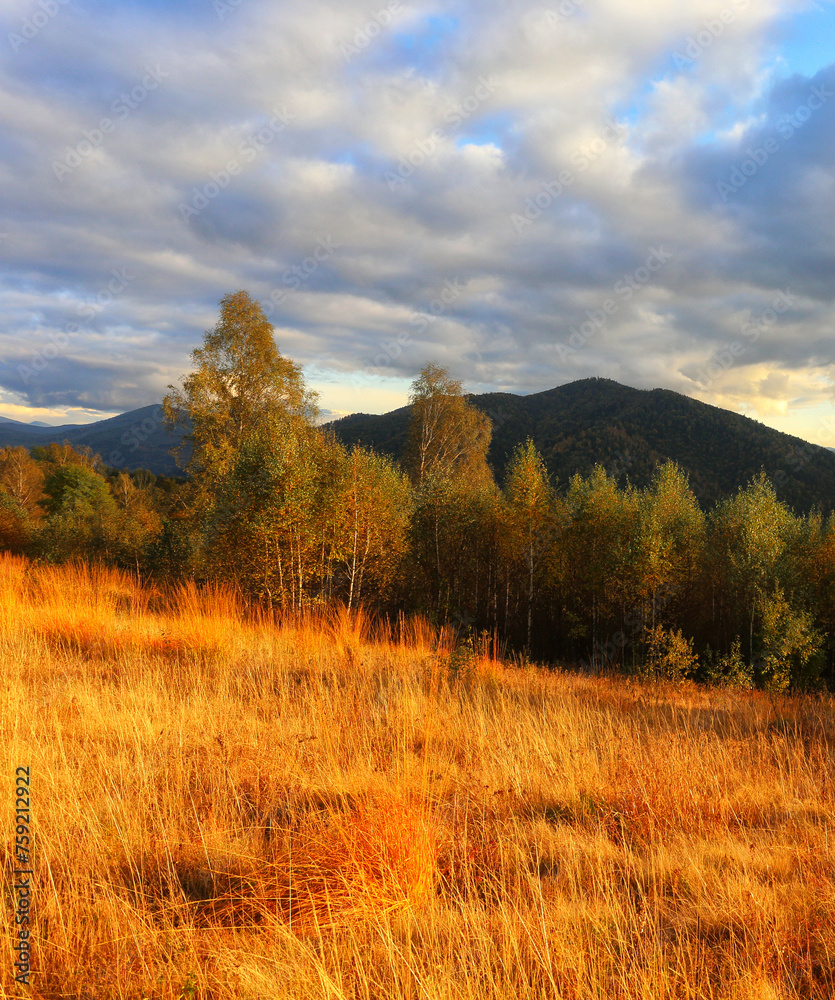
(630, 432)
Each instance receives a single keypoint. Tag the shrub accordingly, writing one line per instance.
(669, 655)
(730, 669)
(789, 644)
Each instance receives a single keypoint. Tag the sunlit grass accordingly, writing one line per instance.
(226, 807)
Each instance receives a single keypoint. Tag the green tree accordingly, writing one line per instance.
(454, 494)
(81, 515)
(789, 642)
(747, 540)
(15, 525)
(137, 522)
(261, 532)
(670, 540)
(452, 543)
(600, 542)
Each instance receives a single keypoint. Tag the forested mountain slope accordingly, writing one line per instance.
(630, 431)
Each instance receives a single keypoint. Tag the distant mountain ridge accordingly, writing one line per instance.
(629, 431)
(137, 439)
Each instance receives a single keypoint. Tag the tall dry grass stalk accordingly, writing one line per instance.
(229, 807)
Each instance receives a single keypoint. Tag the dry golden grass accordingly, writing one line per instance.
(227, 808)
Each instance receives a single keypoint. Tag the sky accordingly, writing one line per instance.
(527, 194)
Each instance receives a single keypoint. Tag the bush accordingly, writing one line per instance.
(789, 645)
(730, 669)
(669, 655)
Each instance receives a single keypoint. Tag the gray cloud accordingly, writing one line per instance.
(414, 156)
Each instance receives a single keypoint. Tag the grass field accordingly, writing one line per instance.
(223, 807)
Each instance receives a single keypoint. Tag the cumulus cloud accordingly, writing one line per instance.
(478, 183)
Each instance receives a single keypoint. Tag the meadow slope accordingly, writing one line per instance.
(226, 806)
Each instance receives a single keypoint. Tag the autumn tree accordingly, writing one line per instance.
(21, 478)
(261, 532)
(371, 504)
(454, 493)
(15, 526)
(447, 435)
(600, 542)
(669, 541)
(138, 523)
(452, 541)
(747, 541)
(241, 385)
(249, 418)
(54, 455)
(532, 522)
(21, 482)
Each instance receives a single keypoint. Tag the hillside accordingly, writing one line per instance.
(630, 431)
(133, 440)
